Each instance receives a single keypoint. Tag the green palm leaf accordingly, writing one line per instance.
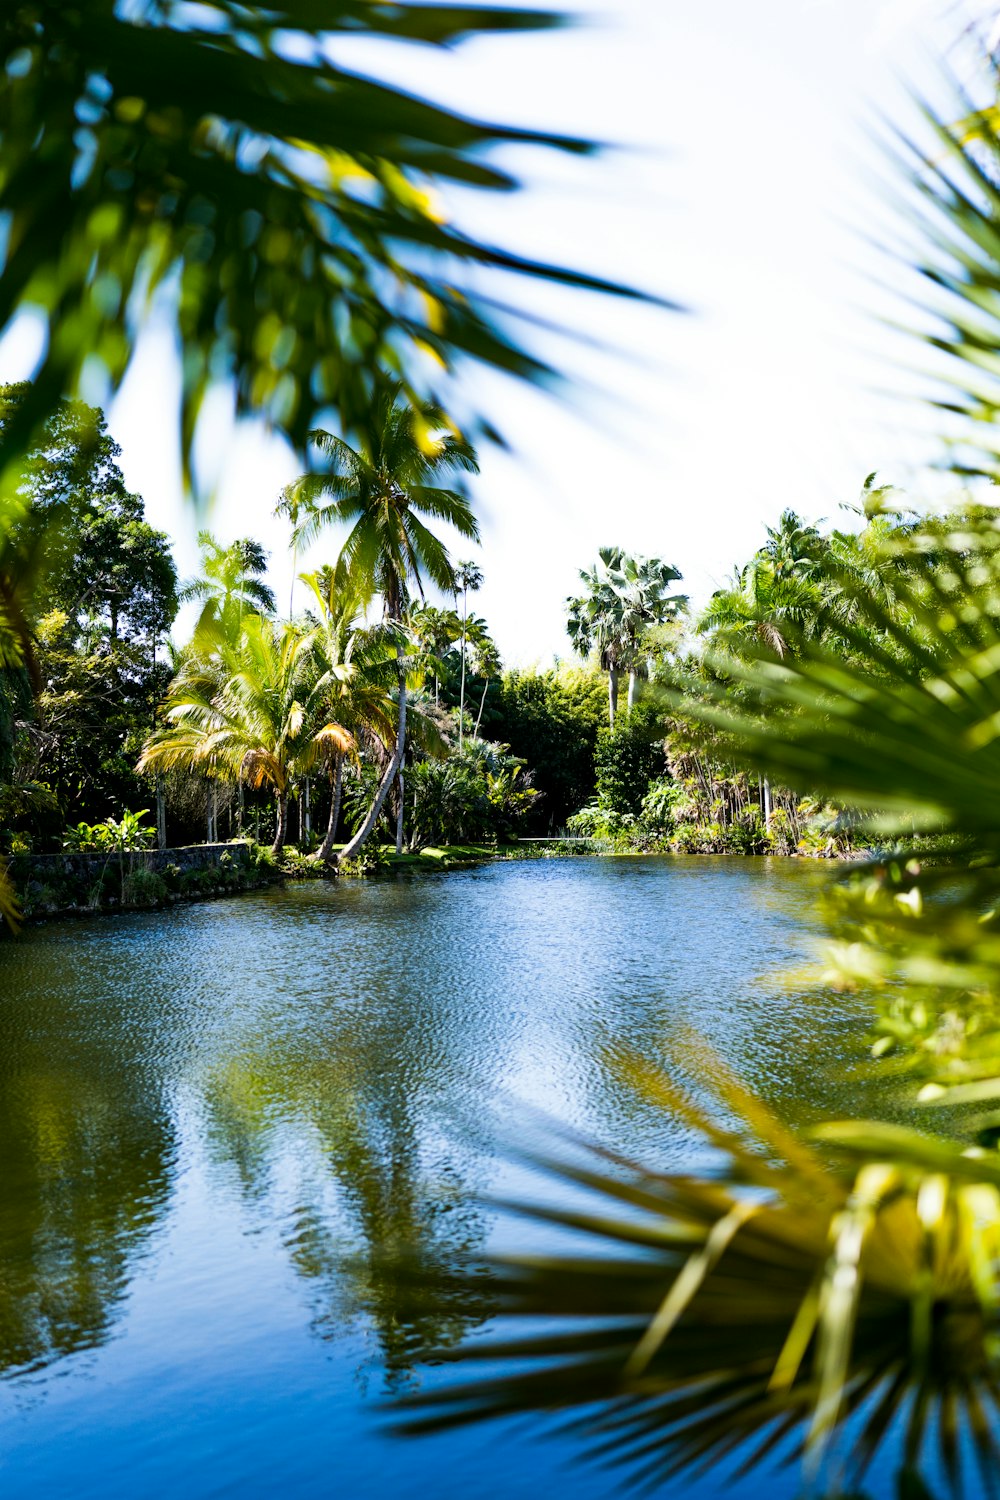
(276, 204)
(800, 1298)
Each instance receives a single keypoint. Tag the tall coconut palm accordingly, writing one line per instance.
(467, 576)
(249, 710)
(290, 506)
(381, 490)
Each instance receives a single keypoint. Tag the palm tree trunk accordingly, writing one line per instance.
(396, 760)
(633, 689)
(325, 850)
(161, 814)
(482, 705)
(767, 803)
(612, 695)
(461, 698)
(399, 813)
(282, 828)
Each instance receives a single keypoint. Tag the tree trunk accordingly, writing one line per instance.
(208, 812)
(282, 828)
(308, 811)
(461, 696)
(633, 689)
(161, 815)
(239, 815)
(325, 851)
(612, 695)
(482, 705)
(399, 813)
(396, 760)
(767, 803)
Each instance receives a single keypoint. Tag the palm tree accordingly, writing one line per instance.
(249, 711)
(290, 506)
(356, 667)
(436, 631)
(231, 582)
(467, 576)
(625, 596)
(486, 663)
(381, 490)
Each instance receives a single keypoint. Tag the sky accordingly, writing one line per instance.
(745, 182)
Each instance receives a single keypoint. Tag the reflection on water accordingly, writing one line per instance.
(221, 1126)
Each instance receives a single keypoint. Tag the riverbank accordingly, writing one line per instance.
(55, 886)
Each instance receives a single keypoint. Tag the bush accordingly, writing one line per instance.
(628, 759)
(144, 888)
(370, 860)
(748, 835)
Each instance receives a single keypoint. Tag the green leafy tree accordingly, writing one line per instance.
(628, 759)
(551, 721)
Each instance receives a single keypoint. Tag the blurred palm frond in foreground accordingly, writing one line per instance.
(809, 1297)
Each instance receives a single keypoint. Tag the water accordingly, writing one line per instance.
(212, 1119)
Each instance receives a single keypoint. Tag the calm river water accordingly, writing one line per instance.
(212, 1119)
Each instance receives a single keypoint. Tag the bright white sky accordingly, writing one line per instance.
(748, 182)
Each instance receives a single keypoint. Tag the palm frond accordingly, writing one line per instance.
(746, 1308)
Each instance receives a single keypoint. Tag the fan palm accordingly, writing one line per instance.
(803, 1298)
(381, 491)
(624, 597)
(843, 1287)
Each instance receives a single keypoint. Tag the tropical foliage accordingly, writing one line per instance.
(278, 207)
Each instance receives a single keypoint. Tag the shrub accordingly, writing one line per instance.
(628, 758)
(144, 888)
(748, 835)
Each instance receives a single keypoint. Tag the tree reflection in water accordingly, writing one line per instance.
(87, 1161)
(379, 1198)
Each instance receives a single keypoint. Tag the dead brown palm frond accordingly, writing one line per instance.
(794, 1303)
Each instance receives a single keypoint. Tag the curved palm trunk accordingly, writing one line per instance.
(389, 776)
(325, 850)
(461, 697)
(282, 828)
(482, 705)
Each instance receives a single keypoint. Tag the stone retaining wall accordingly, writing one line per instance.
(66, 884)
(43, 867)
